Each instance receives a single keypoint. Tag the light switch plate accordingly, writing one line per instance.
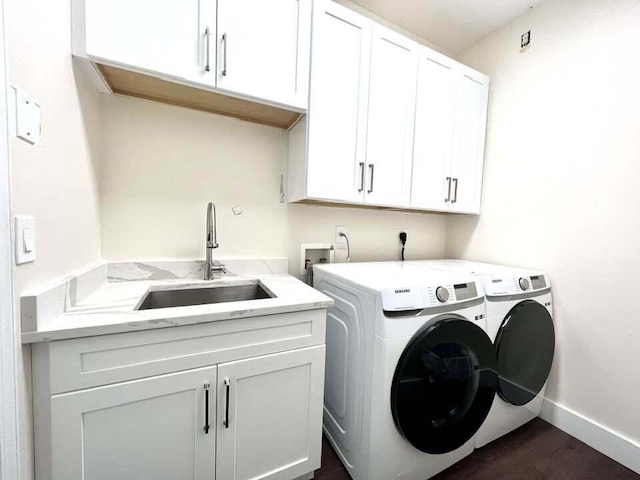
(27, 118)
(25, 231)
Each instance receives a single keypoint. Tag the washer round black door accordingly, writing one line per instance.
(444, 385)
(525, 345)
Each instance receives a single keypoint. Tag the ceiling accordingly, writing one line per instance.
(453, 24)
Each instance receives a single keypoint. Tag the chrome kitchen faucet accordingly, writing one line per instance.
(212, 242)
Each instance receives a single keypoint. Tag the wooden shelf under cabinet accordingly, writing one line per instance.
(139, 85)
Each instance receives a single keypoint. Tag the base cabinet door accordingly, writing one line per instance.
(151, 429)
(269, 422)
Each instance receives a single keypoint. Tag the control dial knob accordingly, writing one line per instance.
(442, 294)
(524, 283)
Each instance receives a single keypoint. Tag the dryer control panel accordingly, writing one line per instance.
(428, 296)
(496, 286)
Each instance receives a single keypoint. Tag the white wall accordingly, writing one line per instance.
(54, 182)
(160, 165)
(561, 190)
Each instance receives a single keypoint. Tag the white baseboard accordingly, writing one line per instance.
(608, 442)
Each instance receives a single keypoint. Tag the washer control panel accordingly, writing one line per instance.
(428, 296)
(495, 286)
(465, 291)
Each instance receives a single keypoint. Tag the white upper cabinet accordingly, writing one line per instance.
(337, 120)
(391, 109)
(263, 49)
(448, 155)
(391, 123)
(270, 416)
(434, 125)
(469, 141)
(243, 58)
(167, 37)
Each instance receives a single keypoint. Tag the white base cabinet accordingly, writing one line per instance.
(247, 417)
(268, 427)
(151, 429)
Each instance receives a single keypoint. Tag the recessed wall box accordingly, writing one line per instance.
(312, 253)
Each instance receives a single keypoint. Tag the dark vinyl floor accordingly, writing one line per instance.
(536, 451)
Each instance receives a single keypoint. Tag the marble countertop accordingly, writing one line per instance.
(111, 308)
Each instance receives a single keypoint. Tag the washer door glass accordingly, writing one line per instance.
(524, 348)
(444, 385)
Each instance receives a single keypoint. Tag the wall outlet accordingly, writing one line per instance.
(400, 230)
(525, 39)
(341, 242)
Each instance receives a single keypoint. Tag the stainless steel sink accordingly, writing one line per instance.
(203, 296)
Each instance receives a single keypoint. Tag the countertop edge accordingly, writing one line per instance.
(154, 324)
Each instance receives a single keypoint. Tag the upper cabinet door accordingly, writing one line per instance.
(270, 416)
(433, 140)
(145, 429)
(338, 103)
(168, 37)
(263, 49)
(471, 124)
(391, 110)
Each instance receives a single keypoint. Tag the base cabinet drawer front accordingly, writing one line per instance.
(88, 362)
(270, 416)
(152, 429)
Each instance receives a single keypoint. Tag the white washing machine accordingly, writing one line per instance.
(410, 371)
(519, 321)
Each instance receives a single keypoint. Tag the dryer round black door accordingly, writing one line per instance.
(444, 385)
(524, 349)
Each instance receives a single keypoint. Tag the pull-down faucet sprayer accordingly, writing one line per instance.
(211, 243)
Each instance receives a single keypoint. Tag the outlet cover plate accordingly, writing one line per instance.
(27, 118)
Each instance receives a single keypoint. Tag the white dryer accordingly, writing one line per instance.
(410, 373)
(519, 321)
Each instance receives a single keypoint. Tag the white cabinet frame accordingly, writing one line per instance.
(9, 465)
